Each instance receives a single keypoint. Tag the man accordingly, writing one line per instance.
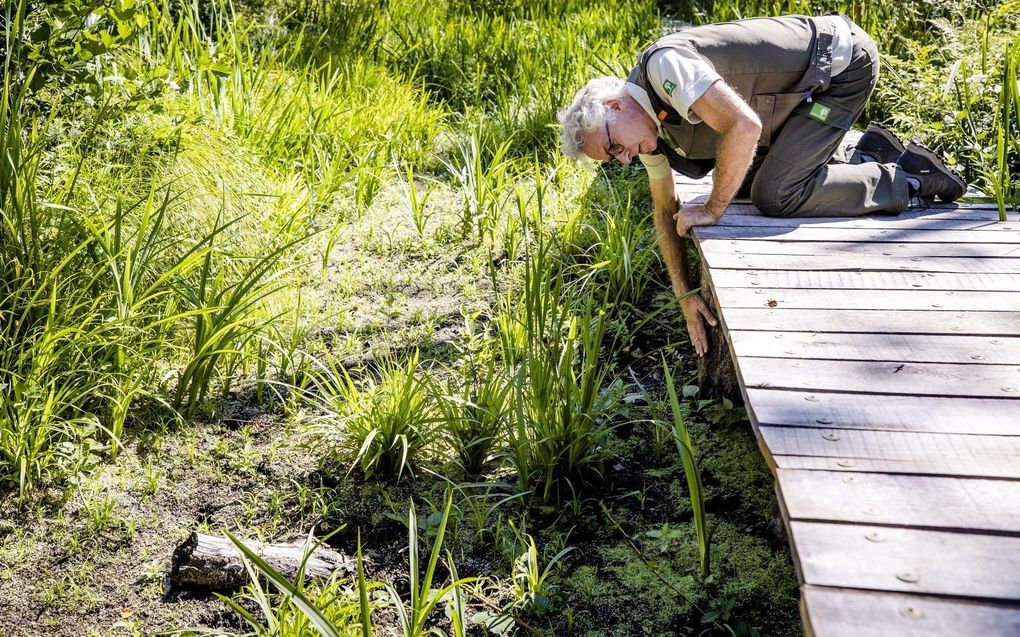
(766, 103)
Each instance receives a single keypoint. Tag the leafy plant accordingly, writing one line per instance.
(682, 438)
(531, 580)
(386, 424)
(414, 614)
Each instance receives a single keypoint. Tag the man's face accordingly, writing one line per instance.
(631, 132)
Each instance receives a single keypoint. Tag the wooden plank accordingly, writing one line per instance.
(895, 451)
(870, 249)
(976, 210)
(932, 502)
(853, 263)
(807, 232)
(865, 280)
(835, 612)
(915, 379)
(915, 348)
(985, 567)
(893, 222)
(928, 466)
(914, 299)
(940, 414)
(870, 321)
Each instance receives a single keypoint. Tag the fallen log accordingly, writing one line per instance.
(214, 563)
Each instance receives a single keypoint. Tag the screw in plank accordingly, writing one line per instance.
(851, 480)
(811, 398)
(977, 357)
(936, 305)
(907, 576)
(831, 436)
(871, 511)
(847, 462)
(874, 536)
(1008, 389)
(913, 612)
(823, 421)
(995, 341)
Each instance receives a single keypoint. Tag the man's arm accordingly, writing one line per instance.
(674, 251)
(739, 128)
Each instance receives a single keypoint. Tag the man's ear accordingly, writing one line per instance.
(614, 104)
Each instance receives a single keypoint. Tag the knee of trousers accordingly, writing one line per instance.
(772, 199)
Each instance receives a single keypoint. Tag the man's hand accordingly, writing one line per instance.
(692, 216)
(696, 312)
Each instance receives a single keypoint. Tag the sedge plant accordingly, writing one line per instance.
(682, 438)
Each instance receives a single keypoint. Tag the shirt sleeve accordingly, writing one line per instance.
(656, 165)
(681, 77)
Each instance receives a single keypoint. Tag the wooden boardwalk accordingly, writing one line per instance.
(879, 359)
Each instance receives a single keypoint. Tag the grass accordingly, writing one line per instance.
(282, 265)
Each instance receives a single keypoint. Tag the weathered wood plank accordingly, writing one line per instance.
(927, 466)
(868, 249)
(908, 560)
(915, 348)
(976, 210)
(933, 502)
(896, 222)
(870, 321)
(914, 299)
(818, 233)
(883, 377)
(834, 612)
(855, 263)
(865, 280)
(898, 452)
(938, 414)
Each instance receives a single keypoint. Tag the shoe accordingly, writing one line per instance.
(879, 143)
(928, 168)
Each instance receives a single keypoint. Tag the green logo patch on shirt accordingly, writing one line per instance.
(820, 112)
(669, 87)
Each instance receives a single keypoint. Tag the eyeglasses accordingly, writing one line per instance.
(614, 148)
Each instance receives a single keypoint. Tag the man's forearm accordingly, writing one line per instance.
(674, 250)
(736, 151)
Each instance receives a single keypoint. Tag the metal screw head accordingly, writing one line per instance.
(1008, 389)
(811, 398)
(875, 536)
(908, 576)
(831, 436)
(871, 511)
(912, 612)
(847, 462)
(995, 341)
(851, 480)
(823, 421)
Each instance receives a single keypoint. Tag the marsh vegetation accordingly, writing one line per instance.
(273, 267)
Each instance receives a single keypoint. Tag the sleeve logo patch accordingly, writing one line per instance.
(820, 112)
(669, 87)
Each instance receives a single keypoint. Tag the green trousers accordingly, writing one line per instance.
(794, 176)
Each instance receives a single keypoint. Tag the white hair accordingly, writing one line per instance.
(588, 112)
